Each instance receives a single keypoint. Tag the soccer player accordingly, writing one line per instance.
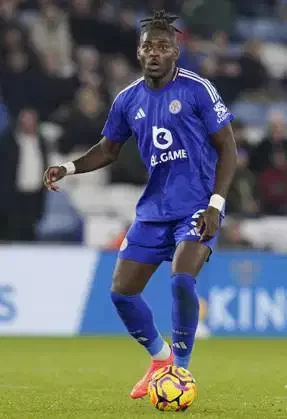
(185, 139)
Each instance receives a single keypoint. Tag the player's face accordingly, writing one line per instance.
(157, 53)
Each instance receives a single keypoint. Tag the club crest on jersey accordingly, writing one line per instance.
(175, 107)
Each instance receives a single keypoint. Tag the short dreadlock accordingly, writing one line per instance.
(160, 20)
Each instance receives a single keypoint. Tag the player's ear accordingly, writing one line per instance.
(138, 52)
(176, 53)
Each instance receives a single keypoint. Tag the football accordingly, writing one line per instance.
(172, 389)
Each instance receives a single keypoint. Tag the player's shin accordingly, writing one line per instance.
(185, 313)
(138, 319)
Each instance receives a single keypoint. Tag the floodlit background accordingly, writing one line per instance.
(62, 64)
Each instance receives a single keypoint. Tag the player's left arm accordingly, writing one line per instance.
(217, 120)
(225, 145)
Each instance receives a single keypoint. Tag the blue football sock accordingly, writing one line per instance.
(138, 319)
(185, 312)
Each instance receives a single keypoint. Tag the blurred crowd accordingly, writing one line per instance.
(63, 62)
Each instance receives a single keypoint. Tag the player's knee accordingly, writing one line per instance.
(117, 287)
(188, 267)
(120, 286)
(189, 258)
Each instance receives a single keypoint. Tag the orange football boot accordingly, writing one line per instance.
(141, 388)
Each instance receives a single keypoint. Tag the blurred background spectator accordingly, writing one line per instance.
(51, 38)
(273, 184)
(243, 199)
(23, 157)
(276, 139)
(62, 64)
(83, 126)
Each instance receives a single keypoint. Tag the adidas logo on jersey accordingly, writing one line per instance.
(140, 114)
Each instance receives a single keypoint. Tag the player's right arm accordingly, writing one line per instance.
(115, 134)
(100, 155)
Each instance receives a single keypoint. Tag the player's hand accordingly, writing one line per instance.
(53, 175)
(208, 223)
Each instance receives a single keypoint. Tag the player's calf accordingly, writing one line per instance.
(138, 318)
(189, 259)
(129, 281)
(185, 313)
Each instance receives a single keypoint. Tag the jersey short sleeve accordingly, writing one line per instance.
(212, 110)
(116, 127)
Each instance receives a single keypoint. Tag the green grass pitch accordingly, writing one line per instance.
(85, 378)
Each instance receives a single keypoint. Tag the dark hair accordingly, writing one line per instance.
(160, 20)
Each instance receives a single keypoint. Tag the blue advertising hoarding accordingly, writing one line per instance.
(241, 294)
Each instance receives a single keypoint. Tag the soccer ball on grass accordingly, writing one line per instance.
(172, 389)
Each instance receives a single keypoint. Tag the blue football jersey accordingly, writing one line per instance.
(172, 127)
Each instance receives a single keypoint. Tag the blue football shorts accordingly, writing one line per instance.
(155, 242)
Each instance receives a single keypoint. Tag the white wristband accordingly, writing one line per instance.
(216, 201)
(70, 167)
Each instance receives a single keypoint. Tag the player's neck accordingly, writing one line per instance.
(159, 83)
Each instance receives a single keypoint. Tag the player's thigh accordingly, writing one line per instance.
(189, 257)
(145, 247)
(130, 277)
(191, 254)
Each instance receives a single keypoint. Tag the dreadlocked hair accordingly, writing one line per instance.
(160, 20)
